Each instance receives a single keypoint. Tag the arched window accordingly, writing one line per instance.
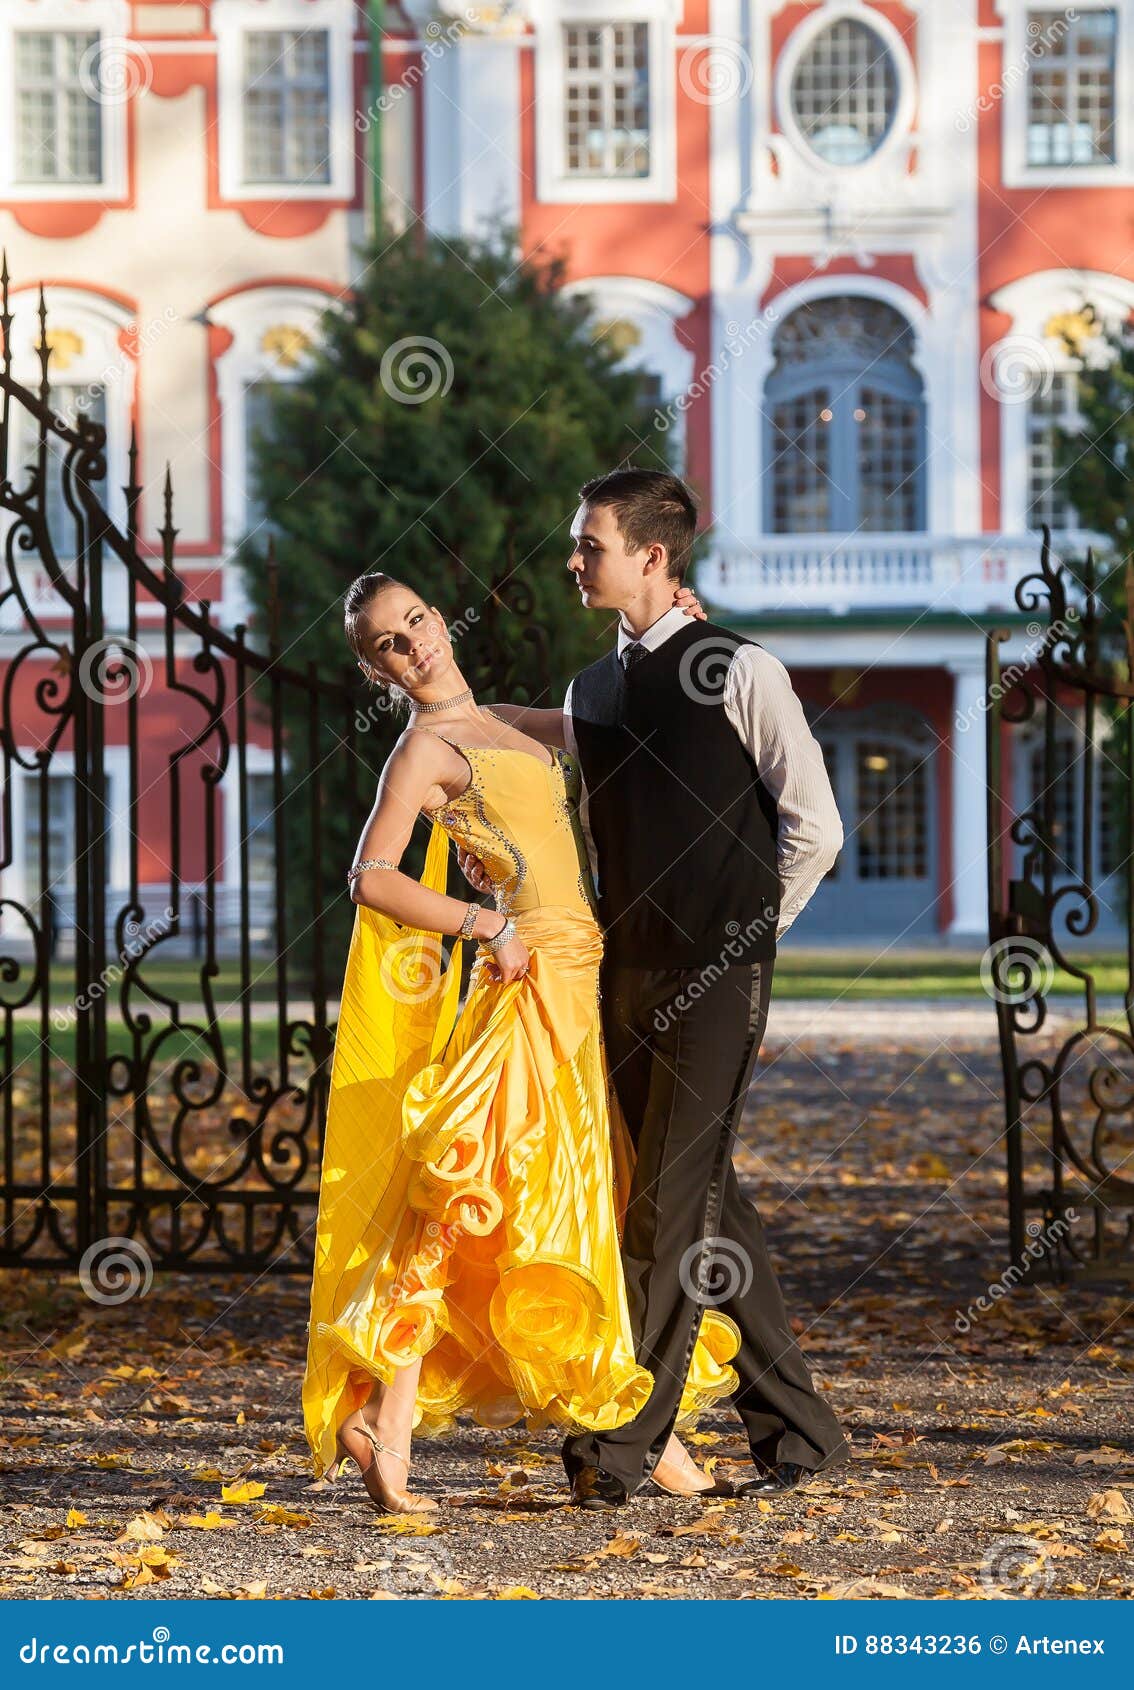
(275, 330)
(89, 374)
(845, 422)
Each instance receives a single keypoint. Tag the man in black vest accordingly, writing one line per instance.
(709, 819)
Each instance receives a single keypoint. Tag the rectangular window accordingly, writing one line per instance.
(606, 99)
(889, 439)
(58, 122)
(1048, 414)
(892, 829)
(67, 400)
(801, 464)
(1114, 800)
(286, 105)
(1071, 87)
(257, 427)
(831, 763)
(50, 849)
(261, 830)
(1059, 799)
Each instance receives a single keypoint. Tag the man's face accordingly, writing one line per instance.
(608, 576)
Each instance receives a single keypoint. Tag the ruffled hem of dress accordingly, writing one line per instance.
(504, 1331)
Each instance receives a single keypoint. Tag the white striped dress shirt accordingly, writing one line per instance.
(762, 706)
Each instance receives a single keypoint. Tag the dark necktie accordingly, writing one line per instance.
(632, 654)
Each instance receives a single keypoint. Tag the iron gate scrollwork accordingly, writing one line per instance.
(189, 1121)
(1061, 875)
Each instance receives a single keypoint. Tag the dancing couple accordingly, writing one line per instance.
(528, 1206)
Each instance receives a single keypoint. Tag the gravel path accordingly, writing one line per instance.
(992, 1460)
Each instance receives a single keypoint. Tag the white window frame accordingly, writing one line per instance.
(1031, 302)
(231, 21)
(800, 40)
(248, 316)
(111, 18)
(554, 184)
(1017, 172)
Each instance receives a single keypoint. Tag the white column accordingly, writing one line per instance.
(969, 764)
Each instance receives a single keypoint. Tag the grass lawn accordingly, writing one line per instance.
(916, 975)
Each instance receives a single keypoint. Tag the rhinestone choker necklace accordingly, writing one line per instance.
(444, 703)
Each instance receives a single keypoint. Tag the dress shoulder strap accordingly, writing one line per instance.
(423, 727)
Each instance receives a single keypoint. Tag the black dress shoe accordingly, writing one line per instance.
(785, 1475)
(598, 1490)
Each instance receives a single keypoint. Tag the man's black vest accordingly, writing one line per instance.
(684, 828)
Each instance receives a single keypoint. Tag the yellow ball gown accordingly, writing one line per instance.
(476, 1163)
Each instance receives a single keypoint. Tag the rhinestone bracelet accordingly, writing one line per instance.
(467, 925)
(369, 862)
(507, 932)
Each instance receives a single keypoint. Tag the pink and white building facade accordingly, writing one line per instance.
(851, 245)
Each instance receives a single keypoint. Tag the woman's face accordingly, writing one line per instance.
(404, 641)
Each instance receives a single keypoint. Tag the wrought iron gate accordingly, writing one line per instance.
(1061, 874)
(190, 1121)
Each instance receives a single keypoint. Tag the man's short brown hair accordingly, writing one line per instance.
(651, 507)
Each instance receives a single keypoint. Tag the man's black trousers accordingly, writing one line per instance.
(681, 1045)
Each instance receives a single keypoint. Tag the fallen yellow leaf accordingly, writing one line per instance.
(1108, 1504)
(277, 1516)
(245, 1490)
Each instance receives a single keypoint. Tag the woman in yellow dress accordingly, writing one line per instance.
(467, 1252)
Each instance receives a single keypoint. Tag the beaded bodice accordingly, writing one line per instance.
(519, 815)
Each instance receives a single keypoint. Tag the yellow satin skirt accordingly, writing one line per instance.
(472, 1187)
